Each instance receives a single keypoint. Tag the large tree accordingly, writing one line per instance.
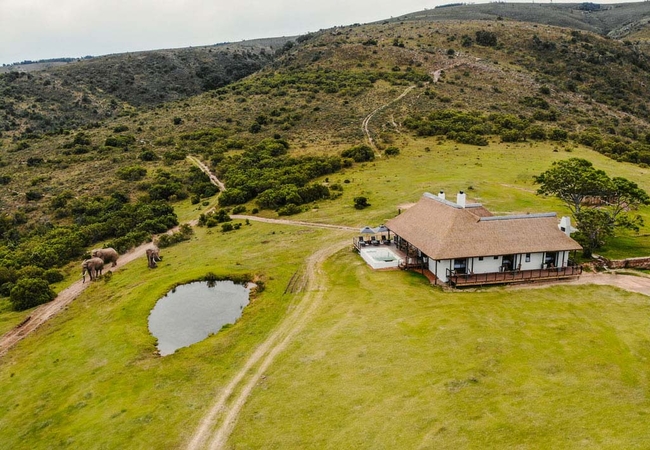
(573, 181)
(599, 204)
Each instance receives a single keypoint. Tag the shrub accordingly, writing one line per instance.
(33, 196)
(226, 227)
(486, 38)
(132, 173)
(239, 209)
(53, 276)
(289, 210)
(177, 121)
(361, 202)
(359, 153)
(391, 151)
(30, 292)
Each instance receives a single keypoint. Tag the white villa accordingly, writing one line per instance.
(463, 244)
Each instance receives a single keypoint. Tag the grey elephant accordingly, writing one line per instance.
(107, 254)
(93, 266)
(153, 256)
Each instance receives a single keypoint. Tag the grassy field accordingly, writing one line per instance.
(393, 363)
(389, 361)
(90, 377)
(500, 176)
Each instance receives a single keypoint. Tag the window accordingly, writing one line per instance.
(527, 257)
(480, 258)
(496, 257)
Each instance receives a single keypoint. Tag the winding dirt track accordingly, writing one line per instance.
(44, 312)
(366, 121)
(206, 170)
(228, 404)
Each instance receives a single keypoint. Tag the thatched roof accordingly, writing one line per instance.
(444, 230)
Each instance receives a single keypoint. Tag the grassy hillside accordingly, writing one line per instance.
(90, 91)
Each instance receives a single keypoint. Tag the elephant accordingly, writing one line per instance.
(153, 256)
(107, 254)
(94, 268)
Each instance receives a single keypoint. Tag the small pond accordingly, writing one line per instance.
(191, 312)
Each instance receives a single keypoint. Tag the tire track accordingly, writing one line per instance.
(227, 406)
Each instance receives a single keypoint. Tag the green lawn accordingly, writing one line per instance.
(388, 362)
(89, 378)
(500, 176)
(392, 363)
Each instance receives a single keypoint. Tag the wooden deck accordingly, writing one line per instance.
(514, 276)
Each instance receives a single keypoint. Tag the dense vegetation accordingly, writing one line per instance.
(278, 181)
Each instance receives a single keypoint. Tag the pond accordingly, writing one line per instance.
(191, 312)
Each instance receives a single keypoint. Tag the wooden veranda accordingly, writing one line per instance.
(512, 276)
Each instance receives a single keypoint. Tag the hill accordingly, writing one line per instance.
(383, 112)
(51, 98)
(308, 113)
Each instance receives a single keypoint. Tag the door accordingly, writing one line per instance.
(460, 266)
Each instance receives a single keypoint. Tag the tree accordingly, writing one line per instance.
(594, 226)
(30, 292)
(572, 181)
(599, 204)
(625, 196)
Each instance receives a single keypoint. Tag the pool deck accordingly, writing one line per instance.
(367, 250)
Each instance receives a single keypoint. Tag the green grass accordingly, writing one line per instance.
(89, 378)
(390, 362)
(500, 176)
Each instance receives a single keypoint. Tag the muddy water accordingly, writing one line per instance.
(191, 312)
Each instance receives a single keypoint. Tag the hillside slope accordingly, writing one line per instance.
(91, 90)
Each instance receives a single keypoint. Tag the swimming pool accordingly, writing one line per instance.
(380, 257)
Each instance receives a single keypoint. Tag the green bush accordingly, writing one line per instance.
(391, 151)
(289, 210)
(361, 202)
(132, 173)
(359, 153)
(30, 292)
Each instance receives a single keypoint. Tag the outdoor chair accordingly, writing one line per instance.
(374, 241)
(384, 240)
(362, 243)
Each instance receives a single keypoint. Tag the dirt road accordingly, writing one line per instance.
(295, 222)
(631, 283)
(225, 410)
(45, 312)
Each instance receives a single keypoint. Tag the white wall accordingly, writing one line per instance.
(489, 264)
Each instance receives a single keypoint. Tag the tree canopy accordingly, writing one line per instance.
(599, 204)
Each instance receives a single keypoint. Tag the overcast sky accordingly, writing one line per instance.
(40, 29)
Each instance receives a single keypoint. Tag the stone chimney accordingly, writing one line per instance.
(441, 195)
(461, 199)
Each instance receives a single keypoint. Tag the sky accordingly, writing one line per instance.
(42, 29)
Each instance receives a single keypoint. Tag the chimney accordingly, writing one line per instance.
(565, 225)
(441, 195)
(461, 199)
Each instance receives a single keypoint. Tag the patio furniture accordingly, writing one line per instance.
(384, 240)
(374, 241)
